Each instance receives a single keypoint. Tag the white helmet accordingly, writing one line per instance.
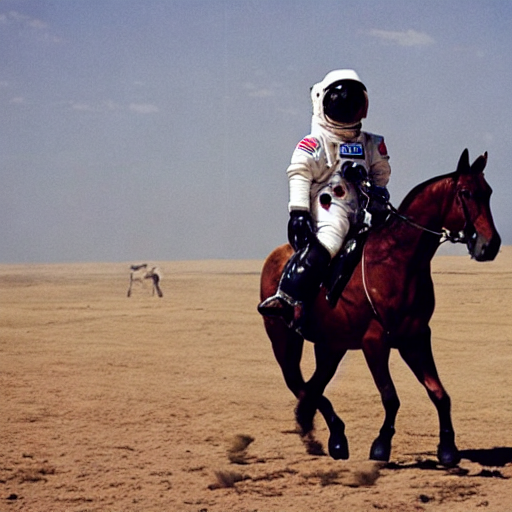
(340, 98)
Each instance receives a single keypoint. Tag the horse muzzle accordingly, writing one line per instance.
(483, 249)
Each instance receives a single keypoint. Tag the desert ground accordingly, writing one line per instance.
(142, 404)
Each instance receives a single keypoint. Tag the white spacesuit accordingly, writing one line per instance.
(323, 201)
(317, 161)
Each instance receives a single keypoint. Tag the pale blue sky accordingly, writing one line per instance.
(161, 129)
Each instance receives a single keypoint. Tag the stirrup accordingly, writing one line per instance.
(282, 306)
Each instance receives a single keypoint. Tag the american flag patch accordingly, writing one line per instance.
(309, 145)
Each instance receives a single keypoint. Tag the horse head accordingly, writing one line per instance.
(471, 211)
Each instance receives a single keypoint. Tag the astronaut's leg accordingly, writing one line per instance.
(337, 209)
(299, 284)
(306, 269)
(333, 217)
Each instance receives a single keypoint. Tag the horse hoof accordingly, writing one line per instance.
(447, 451)
(448, 455)
(381, 449)
(338, 447)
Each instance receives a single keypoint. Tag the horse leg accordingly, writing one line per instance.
(287, 346)
(326, 365)
(338, 443)
(418, 356)
(377, 358)
(130, 288)
(156, 286)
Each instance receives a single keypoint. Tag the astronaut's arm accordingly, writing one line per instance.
(299, 185)
(380, 172)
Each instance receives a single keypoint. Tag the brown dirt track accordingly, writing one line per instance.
(137, 405)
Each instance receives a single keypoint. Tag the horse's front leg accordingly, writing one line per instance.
(417, 353)
(338, 443)
(376, 352)
(312, 399)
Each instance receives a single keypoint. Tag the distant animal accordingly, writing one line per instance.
(139, 273)
(387, 304)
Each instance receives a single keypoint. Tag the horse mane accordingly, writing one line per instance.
(409, 198)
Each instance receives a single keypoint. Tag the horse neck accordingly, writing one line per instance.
(426, 206)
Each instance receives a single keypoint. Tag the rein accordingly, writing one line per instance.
(367, 293)
(446, 236)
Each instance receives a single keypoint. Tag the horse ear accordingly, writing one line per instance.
(463, 165)
(479, 164)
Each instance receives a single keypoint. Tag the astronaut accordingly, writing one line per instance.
(323, 196)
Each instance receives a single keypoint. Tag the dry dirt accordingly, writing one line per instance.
(176, 404)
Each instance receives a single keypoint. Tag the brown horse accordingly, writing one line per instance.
(387, 303)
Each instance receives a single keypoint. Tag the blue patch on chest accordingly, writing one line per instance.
(352, 150)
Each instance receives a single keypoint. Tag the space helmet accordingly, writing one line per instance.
(340, 98)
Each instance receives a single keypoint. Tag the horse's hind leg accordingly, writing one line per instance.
(287, 346)
(417, 354)
(326, 364)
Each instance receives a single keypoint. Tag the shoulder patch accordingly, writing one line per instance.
(309, 144)
(383, 150)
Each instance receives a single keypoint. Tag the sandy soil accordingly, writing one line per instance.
(138, 405)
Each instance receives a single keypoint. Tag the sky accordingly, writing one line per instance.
(156, 130)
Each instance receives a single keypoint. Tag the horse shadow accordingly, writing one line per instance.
(498, 456)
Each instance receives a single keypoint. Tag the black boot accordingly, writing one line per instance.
(343, 266)
(299, 284)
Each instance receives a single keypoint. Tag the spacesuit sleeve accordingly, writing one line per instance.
(380, 169)
(301, 173)
(299, 185)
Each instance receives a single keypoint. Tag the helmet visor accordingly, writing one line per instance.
(345, 101)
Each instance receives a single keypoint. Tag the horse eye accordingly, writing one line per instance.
(466, 194)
